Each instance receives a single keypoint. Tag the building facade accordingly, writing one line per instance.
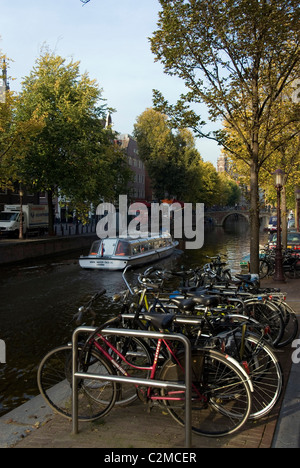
(141, 186)
(222, 164)
(13, 197)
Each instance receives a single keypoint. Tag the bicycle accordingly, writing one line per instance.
(247, 287)
(266, 305)
(219, 297)
(221, 401)
(220, 386)
(241, 337)
(290, 263)
(54, 373)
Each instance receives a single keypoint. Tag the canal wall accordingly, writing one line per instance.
(19, 251)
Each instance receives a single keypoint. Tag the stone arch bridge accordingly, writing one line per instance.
(218, 218)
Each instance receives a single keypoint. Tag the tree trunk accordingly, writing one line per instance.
(254, 219)
(254, 169)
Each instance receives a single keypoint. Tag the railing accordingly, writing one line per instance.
(76, 375)
(72, 229)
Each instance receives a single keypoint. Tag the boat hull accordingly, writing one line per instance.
(117, 263)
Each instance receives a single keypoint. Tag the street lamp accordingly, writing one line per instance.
(279, 181)
(297, 193)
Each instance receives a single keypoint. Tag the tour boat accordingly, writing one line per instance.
(114, 253)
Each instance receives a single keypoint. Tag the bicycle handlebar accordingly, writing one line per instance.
(83, 309)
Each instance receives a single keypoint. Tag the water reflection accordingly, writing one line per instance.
(39, 299)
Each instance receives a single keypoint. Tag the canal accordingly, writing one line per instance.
(39, 299)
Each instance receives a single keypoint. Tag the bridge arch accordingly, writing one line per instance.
(236, 215)
(218, 218)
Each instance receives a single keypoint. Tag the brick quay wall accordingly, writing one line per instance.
(14, 251)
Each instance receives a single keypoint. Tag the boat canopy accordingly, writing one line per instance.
(129, 247)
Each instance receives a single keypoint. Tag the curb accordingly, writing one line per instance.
(20, 422)
(287, 433)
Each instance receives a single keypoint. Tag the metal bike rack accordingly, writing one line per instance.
(76, 375)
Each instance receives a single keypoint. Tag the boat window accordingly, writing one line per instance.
(95, 248)
(156, 244)
(136, 249)
(146, 246)
(150, 245)
(164, 242)
(122, 248)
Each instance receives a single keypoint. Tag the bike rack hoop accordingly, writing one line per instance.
(76, 375)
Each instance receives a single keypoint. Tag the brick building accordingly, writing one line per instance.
(141, 186)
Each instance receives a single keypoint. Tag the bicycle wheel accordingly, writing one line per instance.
(264, 369)
(138, 363)
(95, 398)
(268, 314)
(293, 272)
(221, 394)
(291, 325)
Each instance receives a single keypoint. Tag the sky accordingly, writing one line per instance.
(110, 39)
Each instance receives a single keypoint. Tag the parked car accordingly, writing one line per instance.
(272, 226)
(293, 240)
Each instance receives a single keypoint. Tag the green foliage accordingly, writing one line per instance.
(238, 57)
(14, 137)
(73, 154)
(175, 165)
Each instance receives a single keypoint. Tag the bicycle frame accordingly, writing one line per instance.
(121, 332)
(152, 368)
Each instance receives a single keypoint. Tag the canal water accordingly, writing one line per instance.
(39, 299)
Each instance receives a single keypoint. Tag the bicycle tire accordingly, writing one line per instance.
(267, 313)
(221, 396)
(293, 272)
(54, 380)
(139, 361)
(291, 326)
(265, 372)
(257, 358)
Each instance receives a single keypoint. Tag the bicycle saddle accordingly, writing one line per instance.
(207, 301)
(183, 304)
(248, 277)
(189, 304)
(160, 321)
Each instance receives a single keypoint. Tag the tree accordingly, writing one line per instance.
(73, 154)
(14, 136)
(280, 147)
(169, 156)
(237, 57)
